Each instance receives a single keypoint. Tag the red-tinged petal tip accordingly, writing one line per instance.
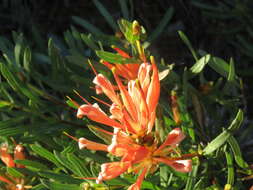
(84, 143)
(184, 166)
(112, 170)
(178, 165)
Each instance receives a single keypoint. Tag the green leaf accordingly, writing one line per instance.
(237, 152)
(192, 175)
(223, 137)
(15, 173)
(231, 74)
(124, 9)
(18, 49)
(60, 177)
(161, 26)
(237, 122)
(27, 59)
(89, 42)
(126, 28)
(106, 15)
(85, 24)
(114, 58)
(78, 165)
(220, 66)
(44, 153)
(107, 138)
(231, 172)
(188, 44)
(32, 164)
(60, 186)
(200, 64)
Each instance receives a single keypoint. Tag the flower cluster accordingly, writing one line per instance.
(132, 117)
(12, 183)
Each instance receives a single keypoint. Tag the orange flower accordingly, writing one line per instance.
(128, 71)
(12, 183)
(133, 108)
(139, 158)
(133, 113)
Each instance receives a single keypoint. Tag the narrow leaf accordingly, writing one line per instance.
(200, 64)
(106, 15)
(188, 44)
(161, 26)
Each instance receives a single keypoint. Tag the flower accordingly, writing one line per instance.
(128, 71)
(139, 158)
(133, 108)
(133, 113)
(12, 183)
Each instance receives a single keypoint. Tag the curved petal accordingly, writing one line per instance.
(137, 184)
(178, 165)
(84, 143)
(106, 86)
(112, 170)
(94, 113)
(6, 157)
(173, 138)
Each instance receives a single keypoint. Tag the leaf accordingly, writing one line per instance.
(60, 186)
(200, 64)
(163, 74)
(89, 42)
(18, 49)
(85, 24)
(231, 172)
(231, 74)
(78, 165)
(106, 15)
(188, 44)
(114, 58)
(237, 122)
(60, 177)
(237, 152)
(223, 137)
(220, 66)
(27, 59)
(15, 173)
(107, 138)
(44, 153)
(192, 175)
(124, 9)
(126, 28)
(32, 164)
(161, 26)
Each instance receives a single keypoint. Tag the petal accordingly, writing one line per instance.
(19, 154)
(178, 165)
(173, 138)
(106, 86)
(126, 98)
(84, 143)
(112, 170)
(3, 179)
(6, 157)
(94, 113)
(153, 90)
(137, 184)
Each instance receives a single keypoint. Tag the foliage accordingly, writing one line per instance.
(36, 105)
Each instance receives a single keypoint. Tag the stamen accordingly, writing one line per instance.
(102, 130)
(86, 101)
(121, 52)
(93, 69)
(68, 135)
(101, 101)
(74, 102)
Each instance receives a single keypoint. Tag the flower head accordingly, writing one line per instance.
(133, 113)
